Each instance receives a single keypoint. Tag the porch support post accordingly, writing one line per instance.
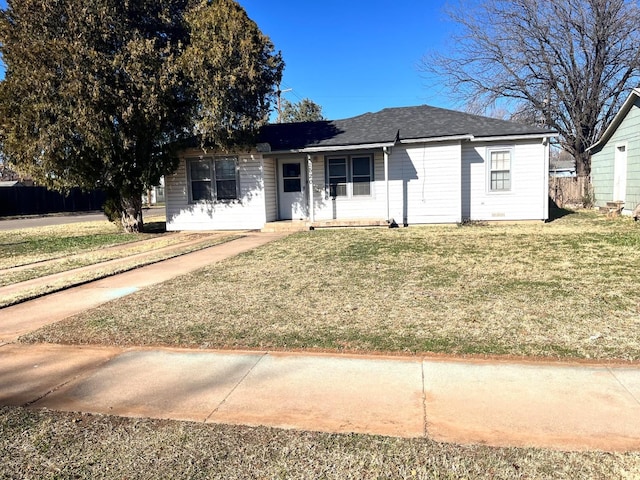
(385, 151)
(310, 187)
(545, 204)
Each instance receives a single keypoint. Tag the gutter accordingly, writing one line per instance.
(334, 148)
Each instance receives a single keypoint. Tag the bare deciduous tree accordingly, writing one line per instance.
(565, 63)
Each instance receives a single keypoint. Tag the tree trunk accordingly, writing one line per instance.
(131, 214)
(583, 165)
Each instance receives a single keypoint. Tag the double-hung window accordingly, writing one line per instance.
(337, 172)
(361, 175)
(213, 179)
(500, 170)
(349, 176)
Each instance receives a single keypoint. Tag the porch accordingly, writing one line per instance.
(303, 225)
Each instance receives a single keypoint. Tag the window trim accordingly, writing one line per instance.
(213, 178)
(348, 158)
(490, 170)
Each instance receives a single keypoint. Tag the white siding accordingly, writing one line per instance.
(270, 189)
(358, 207)
(527, 198)
(425, 183)
(248, 212)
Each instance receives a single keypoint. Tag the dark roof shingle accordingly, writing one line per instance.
(421, 122)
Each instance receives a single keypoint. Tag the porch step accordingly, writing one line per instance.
(612, 209)
(286, 226)
(303, 225)
(365, 222)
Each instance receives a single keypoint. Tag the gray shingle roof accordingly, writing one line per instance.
(410, 123)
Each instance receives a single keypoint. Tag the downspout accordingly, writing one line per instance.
(385, 151)
(545, 206)
(310, 187)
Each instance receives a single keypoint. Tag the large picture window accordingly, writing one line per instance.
(350, 175)
(500, 170)
(213, 179)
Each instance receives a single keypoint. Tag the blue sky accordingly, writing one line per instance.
(353, 56)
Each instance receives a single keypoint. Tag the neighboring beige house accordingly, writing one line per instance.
(411, 165)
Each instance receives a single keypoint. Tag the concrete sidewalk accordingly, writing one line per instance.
(559, 406)
(555, 405)
(24, 317)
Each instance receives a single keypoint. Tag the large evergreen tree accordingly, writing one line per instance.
(97, 95)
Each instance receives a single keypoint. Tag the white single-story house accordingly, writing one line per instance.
(615, 158)
(410, 165)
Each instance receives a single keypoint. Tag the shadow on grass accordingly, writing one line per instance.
(556, 212)
(155, 227)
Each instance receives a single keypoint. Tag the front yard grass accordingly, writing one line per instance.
(43, 445)
(565, 289)
(32, 245)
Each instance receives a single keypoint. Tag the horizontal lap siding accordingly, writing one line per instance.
(248, 212)
(359, 207)
(528, 196)
(425, 183)
(602, 162)
(270, 186)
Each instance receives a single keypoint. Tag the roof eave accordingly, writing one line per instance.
(334, 148)
(528, 136)
(435, 139)
(617, 120)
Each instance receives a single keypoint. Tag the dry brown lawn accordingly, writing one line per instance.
(568, 288)
(49, 445)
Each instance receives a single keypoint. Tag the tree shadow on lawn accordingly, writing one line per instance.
(155, 227)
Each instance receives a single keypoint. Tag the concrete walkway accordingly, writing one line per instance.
(554, 405)
(24, 317)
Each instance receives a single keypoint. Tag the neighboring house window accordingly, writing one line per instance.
(500, 170)
(350, 176)
(213, 179)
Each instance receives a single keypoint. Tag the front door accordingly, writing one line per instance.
(292, 189)
(620, 173)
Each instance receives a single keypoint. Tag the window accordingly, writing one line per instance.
(213, 179)
(349, 176)
(361, 176)
(291, 177)
(338, 177)
(500, 170)
(201, 176)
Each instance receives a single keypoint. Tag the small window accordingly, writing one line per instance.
(213, 179)
(338, 177)
(291, 177)
(500, 171)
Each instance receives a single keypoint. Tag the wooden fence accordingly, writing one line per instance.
(571, 191)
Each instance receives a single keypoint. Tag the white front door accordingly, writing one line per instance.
(292, 189)
(620, 174)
